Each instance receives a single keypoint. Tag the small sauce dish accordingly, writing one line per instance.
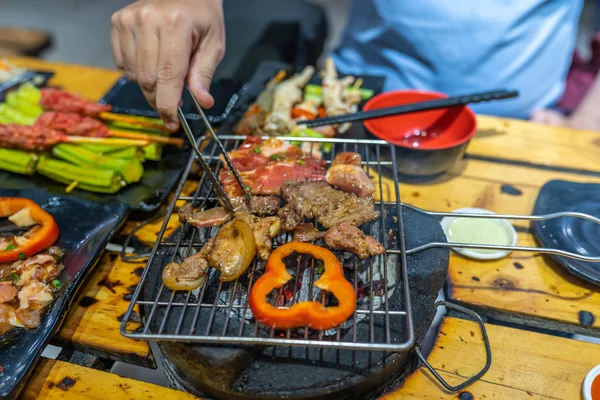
(479, 231)
(591, 384)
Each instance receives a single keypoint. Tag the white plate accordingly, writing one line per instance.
(474, 254)
(587, 383)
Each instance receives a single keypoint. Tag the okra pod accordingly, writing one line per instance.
(153, 151)
(20, 162)
(15, 116)
(23, 105)
(93, 180)
(130, 153)
(131, 170)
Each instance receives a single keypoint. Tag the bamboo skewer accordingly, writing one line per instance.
(143, 136)
(112, 117)
(107, 141)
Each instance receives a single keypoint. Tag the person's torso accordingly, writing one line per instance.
(464, 46)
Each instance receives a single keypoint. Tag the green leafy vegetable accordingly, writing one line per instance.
(10, 247)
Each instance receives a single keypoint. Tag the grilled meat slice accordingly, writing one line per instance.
(317, 200)
(264, 230)
(346, 174)
(346, 236)
(260, 205)
(307, 233)
(203, 219)
(190, 274)
(289, 218)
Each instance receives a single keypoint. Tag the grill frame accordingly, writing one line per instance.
(391, 343)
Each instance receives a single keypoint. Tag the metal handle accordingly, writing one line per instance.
(542, 250)
(486, 340)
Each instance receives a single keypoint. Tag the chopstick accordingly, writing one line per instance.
(413, 107)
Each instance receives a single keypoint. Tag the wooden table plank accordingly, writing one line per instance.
(524, 365)
(522, 141)
(61, 380)
(547, 367)
(523, 287)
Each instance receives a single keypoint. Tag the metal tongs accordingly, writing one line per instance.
(221, 195)
(532, 218)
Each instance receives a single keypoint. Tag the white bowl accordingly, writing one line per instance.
(510, 229)
(587, 383)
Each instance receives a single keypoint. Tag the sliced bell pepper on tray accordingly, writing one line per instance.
(310, 313)
(24, 212)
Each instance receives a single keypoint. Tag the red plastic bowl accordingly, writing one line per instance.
(426, 142)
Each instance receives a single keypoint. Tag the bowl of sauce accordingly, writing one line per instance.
(591, 384)
(427, 143)
(479, 231)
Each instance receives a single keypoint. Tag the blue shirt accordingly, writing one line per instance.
(462, 46)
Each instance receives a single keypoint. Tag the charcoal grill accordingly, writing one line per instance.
(192, 317)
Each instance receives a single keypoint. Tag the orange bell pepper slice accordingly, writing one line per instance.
(30, 211)
(310, 313)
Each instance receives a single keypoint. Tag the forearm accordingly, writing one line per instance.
(587, 115)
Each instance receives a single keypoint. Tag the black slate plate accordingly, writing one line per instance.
(571, 234)
(268, 70)
(85, 229)
(158, 181)
(126, 97)
(42, 78)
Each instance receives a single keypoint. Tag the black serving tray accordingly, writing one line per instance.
(43, 77)
(160, 177)
(85, 229)
(268, 70)
(570, 234)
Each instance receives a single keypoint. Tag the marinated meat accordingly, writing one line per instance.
(30, 318)
(318, 200)
(336, 99)
(259, 205)
(289, 218)
(203, 219)
(264, 230)
(346, 173)
(59, 100)
(346, 236)
(191, 273)
(7, 318)
(8, 291)
(35, 295)
(307, 233)
(265, 165)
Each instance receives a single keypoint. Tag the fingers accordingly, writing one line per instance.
(203, 65)
(114, 41)
(173, 62)
(147, 61)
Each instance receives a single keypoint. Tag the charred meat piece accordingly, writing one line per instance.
(203, 219)
(318, 200)
(8, 291)
(346, 173)
(234, 249)
(259, 205)
(264, 230)
(307, 233)
(346, 236)
(289, 218)
(190, 274)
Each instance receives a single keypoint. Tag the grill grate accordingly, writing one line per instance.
(218, 312)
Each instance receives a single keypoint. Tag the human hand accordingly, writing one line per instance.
(162, 44)
(579, 120)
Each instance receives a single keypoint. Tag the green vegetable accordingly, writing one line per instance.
(313, 98)
(276, 157)
(153, 151)
(139, 128)
(306, 132)
(15, 116)
(21, 104)
(316, 91)
(101, 148)
(13, 275)
(30, 92)
(20, 162)
(257, 150)
(10, 247)
(129, 153)
(22, 256)
(4, 120)
(90, 179)
(300, 162)
(131, 170)
(57, 285)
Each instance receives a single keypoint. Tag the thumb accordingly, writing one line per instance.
(203, 64)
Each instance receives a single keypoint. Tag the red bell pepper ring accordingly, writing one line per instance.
(310, 313)
(41, 240)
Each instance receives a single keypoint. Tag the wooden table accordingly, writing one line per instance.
(506, 165)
